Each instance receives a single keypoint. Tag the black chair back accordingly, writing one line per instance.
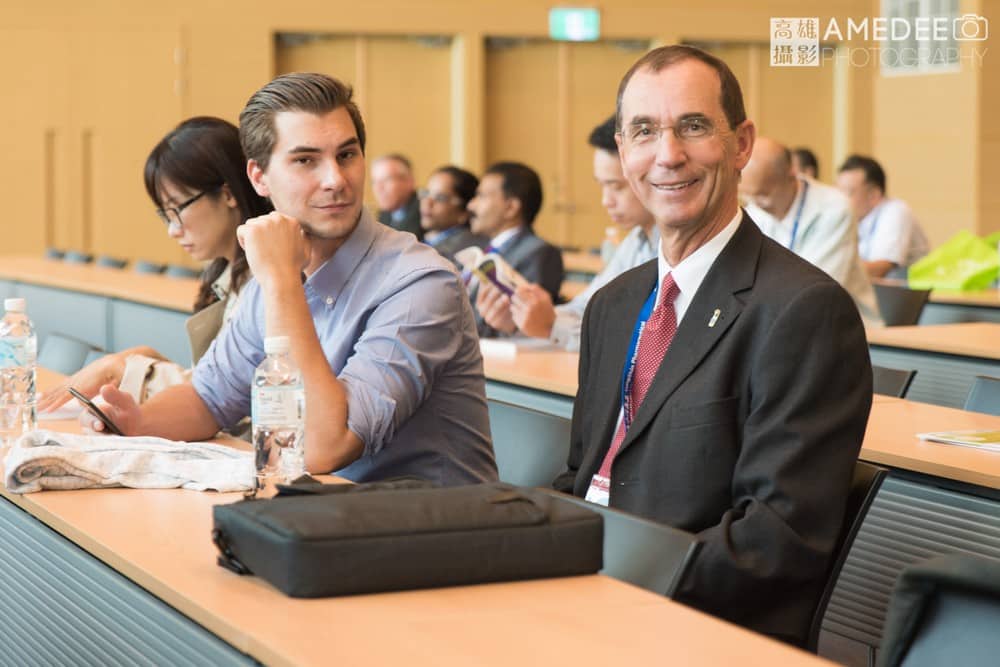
(867, 480)
(651, 555)
(891, 381)
(900, 306)
(178, 271)
(77, 257)
(984, 395)
(111, 262)
(145, 266)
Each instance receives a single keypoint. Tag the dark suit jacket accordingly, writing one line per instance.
(748, 435)
(460, 240)
(410, 223)
(538, 261)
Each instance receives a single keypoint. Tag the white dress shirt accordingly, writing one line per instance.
(891, 232)
(827, 238)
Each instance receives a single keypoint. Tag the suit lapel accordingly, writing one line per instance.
(608, 361)
(732, 272)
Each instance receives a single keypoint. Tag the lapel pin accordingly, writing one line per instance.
(715, 318)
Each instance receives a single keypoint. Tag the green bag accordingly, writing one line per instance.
(964, 262)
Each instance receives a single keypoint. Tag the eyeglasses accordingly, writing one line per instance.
(439, 197)
(648, 135)
(171, 215)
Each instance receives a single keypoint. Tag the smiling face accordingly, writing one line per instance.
(687, 184)
(316, 172)
(208, 225)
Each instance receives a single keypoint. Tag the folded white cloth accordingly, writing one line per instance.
(50, 460)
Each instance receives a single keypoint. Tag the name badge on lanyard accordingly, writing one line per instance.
(600, 485)
(798, 214)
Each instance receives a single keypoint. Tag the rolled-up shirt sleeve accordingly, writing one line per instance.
(409, 338)
(224, 374)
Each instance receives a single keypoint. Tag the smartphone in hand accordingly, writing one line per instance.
(96, 411)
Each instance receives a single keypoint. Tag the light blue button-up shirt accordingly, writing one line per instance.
(397, 328)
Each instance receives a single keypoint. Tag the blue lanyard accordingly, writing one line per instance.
(628, 373)
(798, 215)
(505, 244)
(451, 231)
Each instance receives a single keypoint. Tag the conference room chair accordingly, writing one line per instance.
(178, 271)
(63, 354)
(907, 522)
(145, 266)
(900, 306)
(944, 611)
(891, 381)
(865, 485)
(533, 455)
(647, 554)
(110, 262)
(93, 356)
(78, 257)
(984, 395)
(54, 253)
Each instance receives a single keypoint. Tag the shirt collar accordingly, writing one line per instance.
(329, 279)
(506, 235)
(222, 285)
(691, 271)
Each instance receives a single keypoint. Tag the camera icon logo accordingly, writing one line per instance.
(971, 28)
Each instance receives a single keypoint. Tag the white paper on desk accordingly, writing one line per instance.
(71, 409)
(498, 349)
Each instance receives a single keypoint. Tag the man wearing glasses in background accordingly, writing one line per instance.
(443, 213)
(724, 386)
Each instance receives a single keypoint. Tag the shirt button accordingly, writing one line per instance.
(329, 300)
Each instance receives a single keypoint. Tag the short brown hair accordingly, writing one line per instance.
(731, 96)
(301, 91)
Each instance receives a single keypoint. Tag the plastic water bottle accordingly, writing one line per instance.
(279, 415)
(18, 351)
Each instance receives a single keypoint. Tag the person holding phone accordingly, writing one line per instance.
(196, 177)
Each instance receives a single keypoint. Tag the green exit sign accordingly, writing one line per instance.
(574, 24)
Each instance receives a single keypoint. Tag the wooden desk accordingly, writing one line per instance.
(583, 264)
(947, 357)
(112, 309)
(530, 400)
(160, 541)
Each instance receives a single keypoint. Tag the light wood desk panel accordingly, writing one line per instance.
(891, 440)
(161, 541)
(154, 290)
(947, 357)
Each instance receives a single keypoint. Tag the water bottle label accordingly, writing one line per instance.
(17, 351)
(277, 406)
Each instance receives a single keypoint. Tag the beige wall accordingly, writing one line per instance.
(936, 134)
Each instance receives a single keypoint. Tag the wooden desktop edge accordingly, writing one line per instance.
(171, 293)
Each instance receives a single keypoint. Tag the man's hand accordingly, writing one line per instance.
(494, 307)
(532, 311)
(120, 408)
(276, 248)
(88, 381)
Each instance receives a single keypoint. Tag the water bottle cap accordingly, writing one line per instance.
(277, 345)
(14, 305)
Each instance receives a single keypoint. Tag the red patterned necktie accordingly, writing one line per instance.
(653, 345)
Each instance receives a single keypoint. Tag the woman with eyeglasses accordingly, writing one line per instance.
(196, 177)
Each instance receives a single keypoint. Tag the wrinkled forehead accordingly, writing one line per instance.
(687, 88)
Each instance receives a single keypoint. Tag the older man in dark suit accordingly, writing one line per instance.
(724, 387)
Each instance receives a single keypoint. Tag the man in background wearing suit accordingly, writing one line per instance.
(724, 387)
(507, 200)
(396, 194)
(444, 215)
